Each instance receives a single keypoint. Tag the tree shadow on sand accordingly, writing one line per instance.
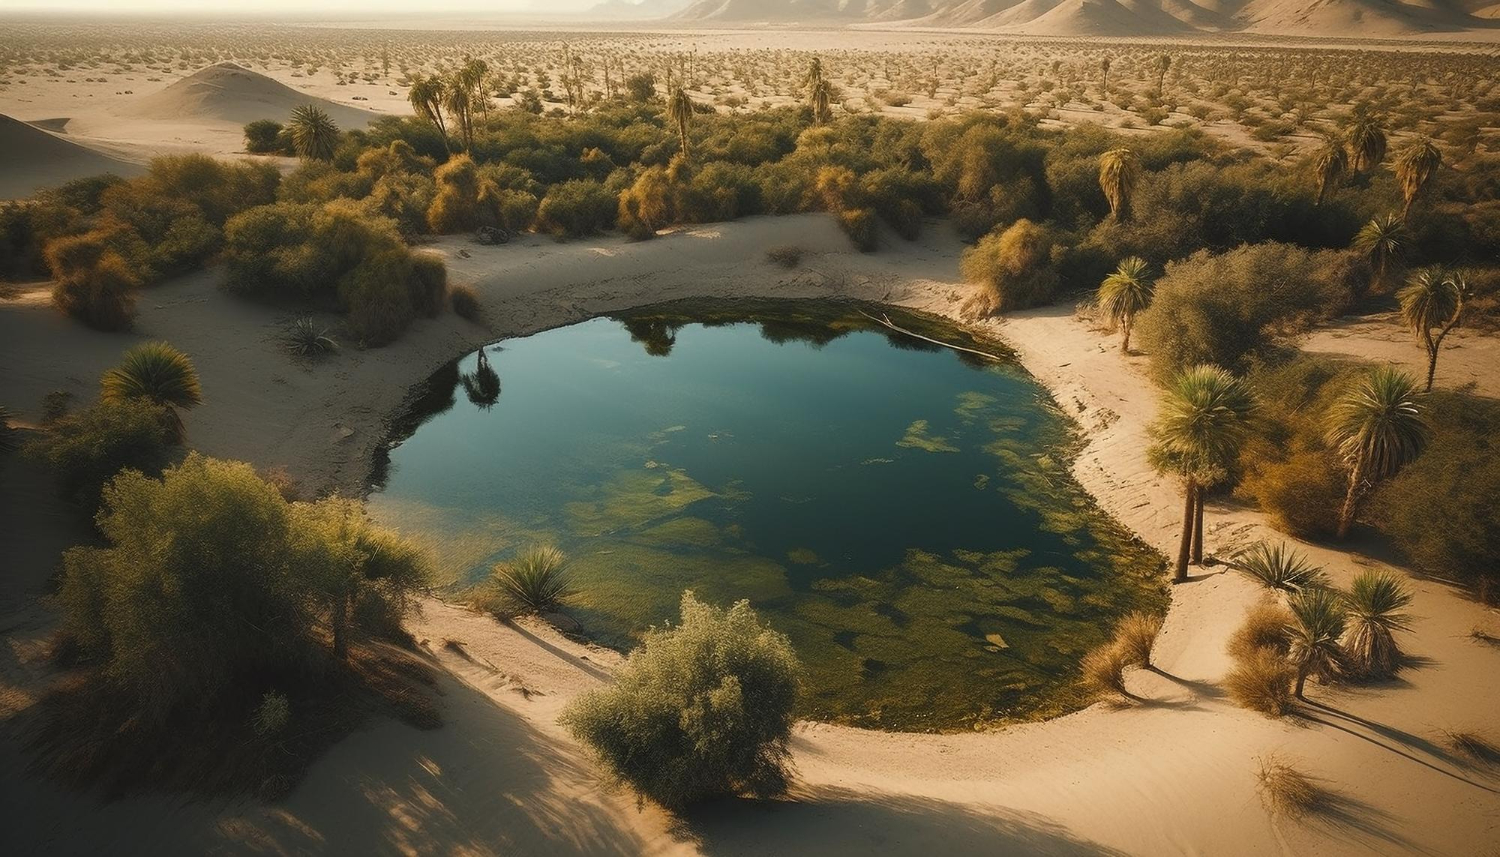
(833, 822)
(487, 782)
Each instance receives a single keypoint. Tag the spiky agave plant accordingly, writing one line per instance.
(307, 338)
(314, 133)
(1318, 622)
(1119, 173)
(159, 373)
(1377, 427)
(1278, 567)
(1375, 603)
(537, 581)
(1123, 295)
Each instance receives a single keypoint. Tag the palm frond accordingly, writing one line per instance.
(1278, 567)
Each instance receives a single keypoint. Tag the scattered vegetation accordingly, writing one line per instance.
(537, 581)
(1287, 791)
(306, 338)
(702, 709)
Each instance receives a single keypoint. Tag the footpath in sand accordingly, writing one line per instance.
(1172, 775)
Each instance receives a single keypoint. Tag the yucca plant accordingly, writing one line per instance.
(1382, 240)
(1415, 167)
(1375, 602)
(1318, 622)
(537, 581)
(1278, 567)
(159, 373)
(1330, 163)
(1377, 428)
(1432, 304)
(314, 134)
(306, 338)
(1124, 294)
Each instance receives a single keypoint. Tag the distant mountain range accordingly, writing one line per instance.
(1330, 18)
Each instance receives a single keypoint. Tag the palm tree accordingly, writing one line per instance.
(1125, 293)
(158, 373)
(1432, 301)
(482, 386)
(426, 97)
(1375, 602)
(1415, 166)
(458, 98)
(1382, 240)
(472, 77)
(1330, 163)
(1318, 621)
(1204, 416)
(1366, 144)
(1119, 173)
(1377, 427)
(1104, 71)
(1163, 62)
(314, 133)
(680, 109)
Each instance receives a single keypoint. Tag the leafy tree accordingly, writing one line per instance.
(1377, 427)
(86, 449)
(263, 136)
(1124, 294)
(1204, 416)
(1433, 301)
(702, 709)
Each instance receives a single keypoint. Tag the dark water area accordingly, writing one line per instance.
(903, 512)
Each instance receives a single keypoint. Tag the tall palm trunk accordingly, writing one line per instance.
(1346, 514)
(1185, 548)
(1301, 682)
(1125, 342)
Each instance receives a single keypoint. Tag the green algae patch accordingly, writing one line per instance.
(918, 437)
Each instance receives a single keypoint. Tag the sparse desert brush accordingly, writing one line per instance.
(787, 256)
(1136, 635)
(1103, 670)
(86, 449)
(1266, 626)
(465, 302)
(537, 581)
(861, 227)
(1285, 790)
(1012, 269)
(1262, 681)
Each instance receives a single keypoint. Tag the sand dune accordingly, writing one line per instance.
(1124, 18)
(227, 92)
(34, 159)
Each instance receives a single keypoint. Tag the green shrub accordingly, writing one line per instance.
(1012, 269)
(429, 284)
(860, 225)
(1440, 510)
(1224, 309)
(701, 709)
(577, 208)
(1301, 495)
(86, 449)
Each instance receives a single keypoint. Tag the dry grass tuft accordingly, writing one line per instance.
(1265, 627)
(1286, 791)
(1262, 681)
(1104, 670)
(789, 256)
(1136, 635)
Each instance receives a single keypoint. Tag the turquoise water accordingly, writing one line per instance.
(903, 512)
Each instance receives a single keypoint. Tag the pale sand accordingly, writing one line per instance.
(1173, 775)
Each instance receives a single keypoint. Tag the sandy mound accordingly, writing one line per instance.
(228, 93)
(35, 159)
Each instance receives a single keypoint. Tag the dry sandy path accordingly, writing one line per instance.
(1171, 776)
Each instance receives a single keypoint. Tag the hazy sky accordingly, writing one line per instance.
(272, 8)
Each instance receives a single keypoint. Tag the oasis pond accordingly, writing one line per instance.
(902, 511)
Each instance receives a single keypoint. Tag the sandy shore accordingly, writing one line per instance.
(1172, 775)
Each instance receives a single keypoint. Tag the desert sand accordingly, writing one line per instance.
(1174, 774)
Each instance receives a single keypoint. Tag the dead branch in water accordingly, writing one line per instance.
(886, 321)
